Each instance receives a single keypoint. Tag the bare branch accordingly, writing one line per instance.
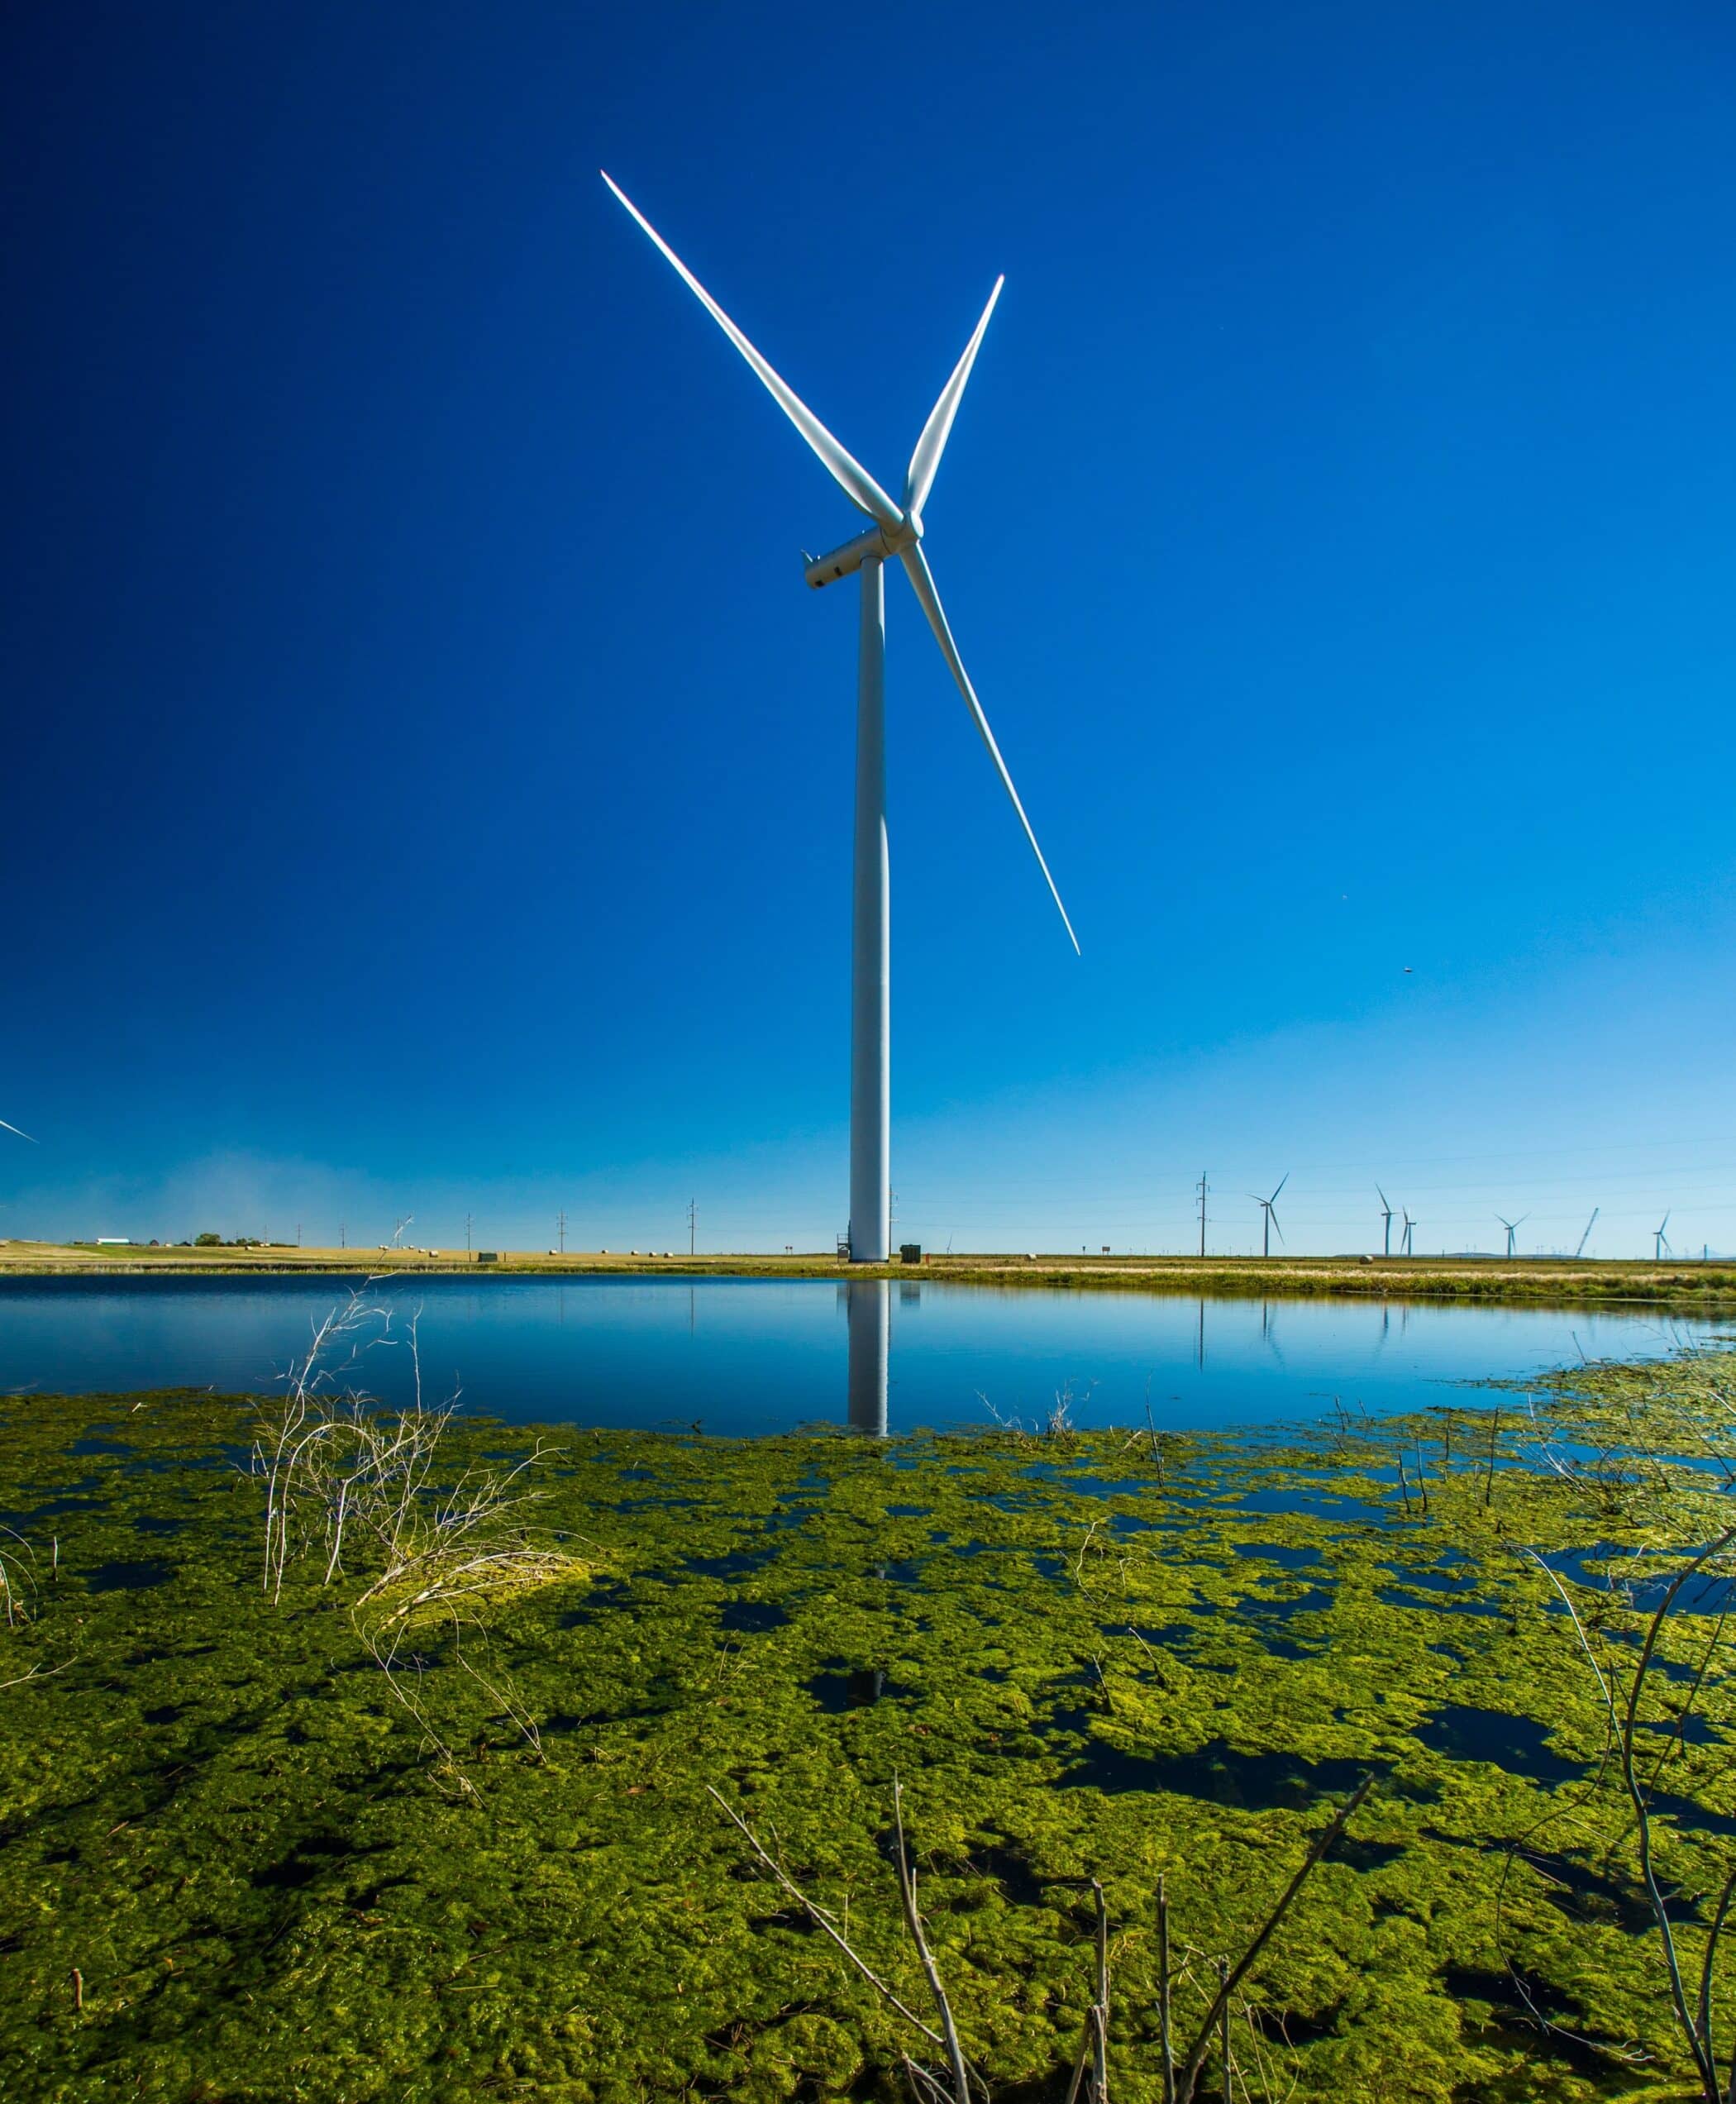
(1325, 1839)
(913, 1922)
(820, 1918)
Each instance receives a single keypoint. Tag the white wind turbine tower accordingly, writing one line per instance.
(1512, 1227)
(897, 529)
(1659, 1242)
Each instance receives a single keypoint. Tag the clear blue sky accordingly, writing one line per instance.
(428, 780)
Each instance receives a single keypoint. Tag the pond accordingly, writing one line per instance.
(744, 1356)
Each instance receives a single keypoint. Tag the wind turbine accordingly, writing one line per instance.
(1660, 1246)
(897, 529)
(1386, 1221)
(1511, 1226)
(1271, 1219)
(1405, 1240)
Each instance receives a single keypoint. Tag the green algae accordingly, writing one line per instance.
(225, 1835)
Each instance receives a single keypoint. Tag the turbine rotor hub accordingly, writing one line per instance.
(879, 544)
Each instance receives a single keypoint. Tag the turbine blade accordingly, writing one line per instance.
(1277, 1229)
(919, 479)
(1282, 1181)
(922, 579)
(22, 1135)
(852, 477)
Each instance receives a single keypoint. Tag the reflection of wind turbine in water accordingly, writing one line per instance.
(868, 1306)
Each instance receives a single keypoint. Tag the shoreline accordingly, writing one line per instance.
(1485, 1281)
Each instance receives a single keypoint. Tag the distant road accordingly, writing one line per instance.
(1676, 1285)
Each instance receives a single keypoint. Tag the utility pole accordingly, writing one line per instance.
(467, 1234)
(342, 1236)
(297, 1234)
(560, 1223)
(1202, 1212)
(692, 1223)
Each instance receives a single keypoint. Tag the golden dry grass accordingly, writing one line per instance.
(1540, 1281)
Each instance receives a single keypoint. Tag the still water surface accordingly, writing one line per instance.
(760, 1355)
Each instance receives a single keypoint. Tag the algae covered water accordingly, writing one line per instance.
(331, 1838)
(742, 1356)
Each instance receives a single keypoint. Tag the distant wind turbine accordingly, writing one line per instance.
(1267, 1205)
(1511, 1226)
(1661, 1247)
(1404, 1241)
(1587, 1236)
(896, 530)
(1386, 1221)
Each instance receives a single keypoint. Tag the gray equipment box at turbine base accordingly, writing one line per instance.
(487, 1256)
(910, 1252)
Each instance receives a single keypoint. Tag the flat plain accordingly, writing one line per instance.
(1554, 1281)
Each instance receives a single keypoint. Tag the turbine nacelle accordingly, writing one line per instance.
(879, 544)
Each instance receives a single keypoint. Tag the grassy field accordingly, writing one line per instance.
(1556, 1282)
(265, 1846)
